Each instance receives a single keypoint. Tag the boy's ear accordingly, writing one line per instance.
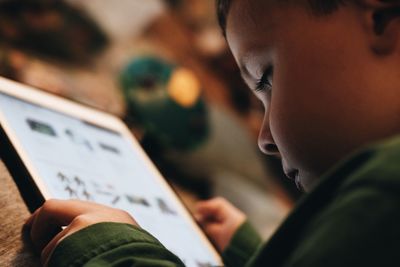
(383, 22)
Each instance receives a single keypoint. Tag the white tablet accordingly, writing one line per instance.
(55, 148)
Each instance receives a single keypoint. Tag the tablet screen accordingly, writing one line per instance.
(79, 160)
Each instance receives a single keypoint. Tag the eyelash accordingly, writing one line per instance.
(263, 83)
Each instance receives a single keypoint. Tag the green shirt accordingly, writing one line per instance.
(351, 218)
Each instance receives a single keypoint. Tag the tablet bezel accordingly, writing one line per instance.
(23, 171)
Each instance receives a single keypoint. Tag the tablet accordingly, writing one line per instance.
(55, 148)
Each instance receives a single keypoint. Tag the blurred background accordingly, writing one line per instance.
(163, 67)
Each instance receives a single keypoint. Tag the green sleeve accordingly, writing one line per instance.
(112, 244)
(351, 218)
(243, 246)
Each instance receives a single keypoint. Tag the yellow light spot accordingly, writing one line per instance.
(184, 87)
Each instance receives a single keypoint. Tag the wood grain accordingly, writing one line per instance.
(14, 249)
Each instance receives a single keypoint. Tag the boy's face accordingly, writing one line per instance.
(331, 92)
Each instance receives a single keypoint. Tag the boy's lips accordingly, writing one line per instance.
(292, 174)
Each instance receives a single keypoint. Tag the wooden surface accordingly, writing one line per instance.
(13, 212)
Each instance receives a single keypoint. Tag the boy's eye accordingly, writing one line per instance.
(265, 82)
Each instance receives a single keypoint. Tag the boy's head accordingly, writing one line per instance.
(335, 71)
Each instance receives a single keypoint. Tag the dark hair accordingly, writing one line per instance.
(317, 7)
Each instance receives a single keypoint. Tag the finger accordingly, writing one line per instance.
(210, 227)
(46, 252)
(213, 229)
(78, 223)
(29, 221)
(211, 209)
(212, 205)
(54, 214)
(214, 232)
(75, 226)
(198, 217)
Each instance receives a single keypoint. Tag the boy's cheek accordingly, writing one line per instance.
(305, 127)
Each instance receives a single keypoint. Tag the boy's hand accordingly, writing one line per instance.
(220, 220)
(45, 223)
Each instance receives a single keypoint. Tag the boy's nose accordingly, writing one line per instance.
(268, 147)
(266, 142)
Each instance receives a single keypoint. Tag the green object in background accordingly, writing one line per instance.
(165, 100)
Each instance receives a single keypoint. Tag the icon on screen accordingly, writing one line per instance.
(137, 200)
(41, 127)
(164, 207)
(78, 139)
(109, 148)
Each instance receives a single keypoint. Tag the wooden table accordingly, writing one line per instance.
(13, 212)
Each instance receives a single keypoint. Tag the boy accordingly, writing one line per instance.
(328, 74)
